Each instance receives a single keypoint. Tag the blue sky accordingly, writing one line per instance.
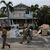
(29, 2)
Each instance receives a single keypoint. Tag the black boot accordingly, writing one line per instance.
(2, 48)
(9, 46)
(21, 42)
(28, 41)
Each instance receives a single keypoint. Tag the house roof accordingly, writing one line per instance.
(21, 5)
(3, 17)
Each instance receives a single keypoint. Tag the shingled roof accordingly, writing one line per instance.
(21, 5)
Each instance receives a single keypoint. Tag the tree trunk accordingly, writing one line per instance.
(8, 16)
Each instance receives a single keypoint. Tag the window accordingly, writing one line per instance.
(27, 12)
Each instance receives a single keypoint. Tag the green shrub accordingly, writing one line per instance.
(3, 15)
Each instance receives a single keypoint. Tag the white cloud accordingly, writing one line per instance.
(29, 2)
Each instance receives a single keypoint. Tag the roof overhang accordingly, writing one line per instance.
(3, 17)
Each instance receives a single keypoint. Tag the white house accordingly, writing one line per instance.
(19, 15)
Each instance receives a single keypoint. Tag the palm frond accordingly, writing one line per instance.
(11, 8)
(3, 2)
(3, 9)
(10, 3)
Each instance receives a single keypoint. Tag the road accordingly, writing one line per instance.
(36, 41)
(35, 44)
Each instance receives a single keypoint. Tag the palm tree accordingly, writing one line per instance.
(36, 6)
(8, 8)
(3, 12)
(32, 8)
(3, 9)
(44, 11)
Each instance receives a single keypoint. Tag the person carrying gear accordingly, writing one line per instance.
(30, 34)
(25, 34)
(4, 36)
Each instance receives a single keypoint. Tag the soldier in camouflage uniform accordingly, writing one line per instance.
(25, 34)
(4, 36)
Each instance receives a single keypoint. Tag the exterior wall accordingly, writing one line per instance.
(19, 13)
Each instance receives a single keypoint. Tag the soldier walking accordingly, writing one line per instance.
(27, 32)
(4, 36)
(24, 35)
